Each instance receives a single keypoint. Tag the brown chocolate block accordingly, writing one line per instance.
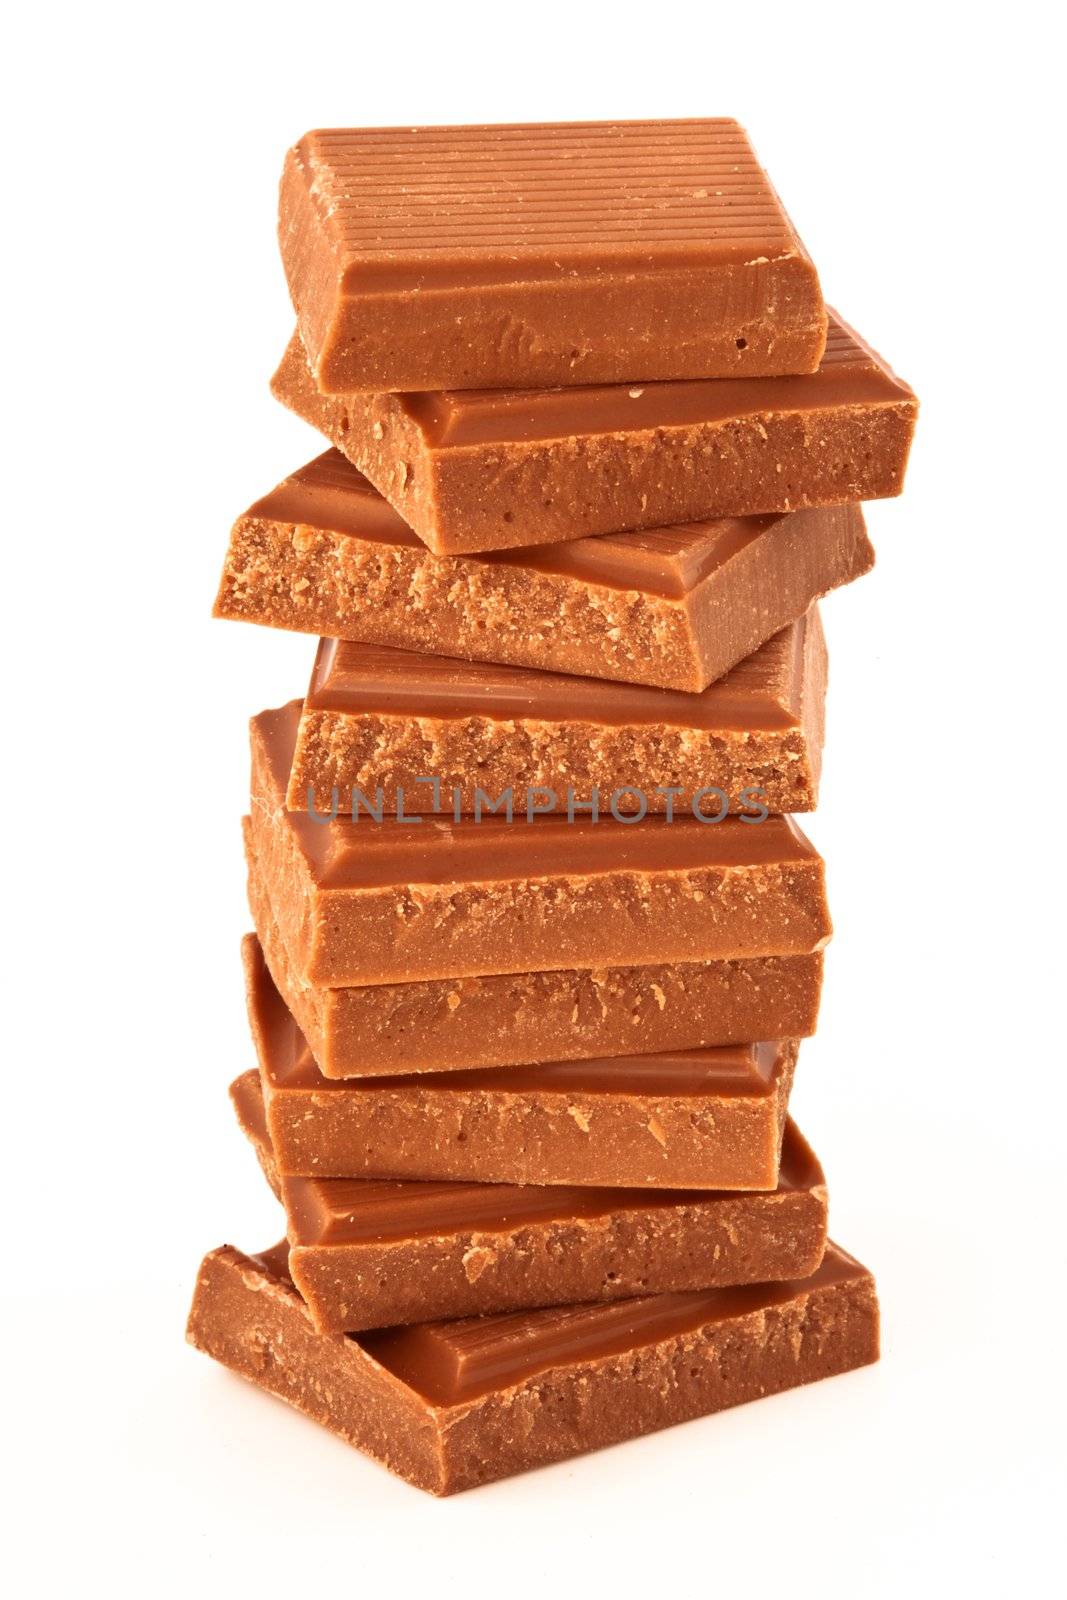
(492, 469)
(452, 1405)
(506, 1019)
(379, 720)
(672, 607)
(384, 901)
(372, 1254)
(595, 252)
(246, 1097)
(695, 1119)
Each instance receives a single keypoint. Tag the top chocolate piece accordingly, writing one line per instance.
(529, 255)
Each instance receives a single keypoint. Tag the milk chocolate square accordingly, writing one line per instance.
(672, 607)
(380, 721)
(490, 469)
(547, 253)
(452, 1405)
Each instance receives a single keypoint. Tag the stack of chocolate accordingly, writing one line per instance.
(536, 936)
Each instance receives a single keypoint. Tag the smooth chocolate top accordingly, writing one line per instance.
(286, 1063)
(367, 855)
(452, 1362)
(440, 207)
(329, 493)
(850, 374)
(340, 1211)
(762, 693)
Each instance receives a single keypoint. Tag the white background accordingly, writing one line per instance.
(144, 310)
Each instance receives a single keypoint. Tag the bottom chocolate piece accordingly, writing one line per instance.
(450, 1405)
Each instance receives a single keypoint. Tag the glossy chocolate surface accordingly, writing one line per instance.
(451, 1362)
(761, 693)
(337, 1211)
(850, 374)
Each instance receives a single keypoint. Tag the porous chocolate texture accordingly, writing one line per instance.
(671, 607)
(493, 469)
(452, 1405)
(378, 900)
(509, 1019)
(379, 720)
(708, 1119)
(368, 1253)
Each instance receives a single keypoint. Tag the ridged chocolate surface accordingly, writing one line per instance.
(449, 204)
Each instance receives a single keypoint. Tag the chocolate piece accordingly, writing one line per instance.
(380, 719)
(452, 1405)
(597, 252)
(671, 607)
(371, 1254)
(508, 1019)
(696, 1119)
(491, 469)
(246, 1097)
(383, 901)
